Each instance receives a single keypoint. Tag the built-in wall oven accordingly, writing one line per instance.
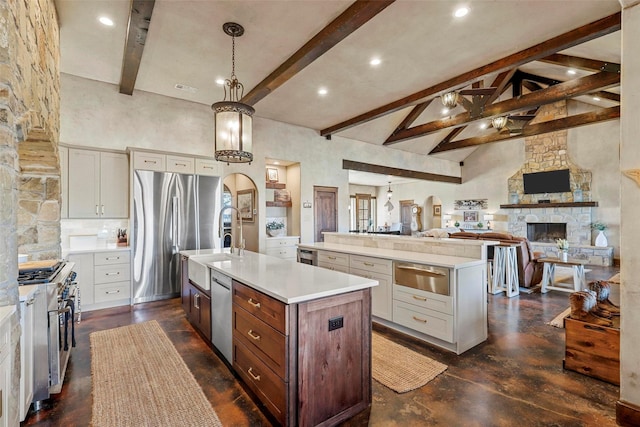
(421, 276)
(308, 256)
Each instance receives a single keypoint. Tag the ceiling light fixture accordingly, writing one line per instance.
(571, 71)
(106, 21)
(389, 192)
(219, 82)
(460, 12)
(449, 99)
(232, 119)
(322, 91)
(375, 62)
(595, 98)
(445, 111)
(389, 205)
(499, 122)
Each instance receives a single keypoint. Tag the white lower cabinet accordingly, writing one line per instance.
(26, 354)
(104, 278)
(336, 261)
(283, 247)
(8, 417)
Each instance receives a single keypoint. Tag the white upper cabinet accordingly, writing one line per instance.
(98, 184)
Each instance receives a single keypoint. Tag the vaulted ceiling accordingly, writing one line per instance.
(504, 58)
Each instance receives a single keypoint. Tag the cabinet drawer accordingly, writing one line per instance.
(376, 265)
(149, 161)
(424, 299)
(264, 341)
(180, 164)
(428, 322)
(270, 389)
(107, 258)
(279, 242)
(283, 252)
(207, 167)
(334, 267)
(111, 273)
(335, 258)
(111, 291)
(265, 308)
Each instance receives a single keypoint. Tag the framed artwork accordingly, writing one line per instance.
(473, 204)
(246, 202)
(470, 216)
(437, 210)
(272, 175)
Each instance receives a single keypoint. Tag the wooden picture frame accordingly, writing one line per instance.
(246, 203)
(437, 210)
(272, 175)
(470, 216)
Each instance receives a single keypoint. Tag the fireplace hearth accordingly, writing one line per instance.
(546, 232)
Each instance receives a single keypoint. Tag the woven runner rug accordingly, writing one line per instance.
(139, 379)
(400, 368)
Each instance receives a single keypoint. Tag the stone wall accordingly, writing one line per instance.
(29, 128)
(548, 152)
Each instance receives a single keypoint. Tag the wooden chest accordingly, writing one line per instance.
(593, 350)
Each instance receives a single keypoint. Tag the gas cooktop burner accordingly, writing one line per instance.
(39, 275)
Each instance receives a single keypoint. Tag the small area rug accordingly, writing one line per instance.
(400, 368)
(139, 379)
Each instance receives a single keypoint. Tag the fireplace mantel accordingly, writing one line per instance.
(551, 205)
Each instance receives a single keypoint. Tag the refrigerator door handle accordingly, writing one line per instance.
(174, 221)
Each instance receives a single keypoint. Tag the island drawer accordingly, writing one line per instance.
(114, 257)
(111, 292)
(334, 267)
(270, 389)
(265, 308)
(374, 265)
(335, 258)
(111, 273)
(423, 299)
(428, 322)
(282, 252)
(270, 345)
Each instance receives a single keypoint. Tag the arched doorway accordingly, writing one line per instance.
(242, 193)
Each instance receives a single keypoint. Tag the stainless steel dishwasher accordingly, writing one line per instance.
(424, 277)
(221, 332)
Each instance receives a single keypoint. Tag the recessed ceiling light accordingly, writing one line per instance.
(375, 62)
(595, 98)
(571, 71)
(106, 21)
(445, 111)
(322, 91)
(276, 162)
(219, 82)
(483, 125)
(460, 12)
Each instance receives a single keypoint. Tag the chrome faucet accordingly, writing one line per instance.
(232, 234)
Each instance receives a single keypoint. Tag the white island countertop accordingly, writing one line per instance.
(437, 260)
(284, 280)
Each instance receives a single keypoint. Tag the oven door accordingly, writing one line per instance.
(60, 343)
(54, 348)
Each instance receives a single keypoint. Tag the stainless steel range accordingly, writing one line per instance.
(55, 311)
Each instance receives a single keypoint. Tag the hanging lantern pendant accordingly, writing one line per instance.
(232, 119)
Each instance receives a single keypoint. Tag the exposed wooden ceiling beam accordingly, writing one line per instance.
(569, 39)
(607, 95)
(387, 170)
(356, 15)
(548, 95)
(605, 114)
(138, 26)
(580, 63)
(411, 117)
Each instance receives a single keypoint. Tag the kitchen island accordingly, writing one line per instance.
(427, 288)
(300, 335)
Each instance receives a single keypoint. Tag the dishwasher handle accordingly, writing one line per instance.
(421, 270)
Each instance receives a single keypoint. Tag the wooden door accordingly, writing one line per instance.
(405, 216)
(326, 210)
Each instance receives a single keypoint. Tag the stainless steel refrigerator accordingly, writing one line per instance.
(171, 212)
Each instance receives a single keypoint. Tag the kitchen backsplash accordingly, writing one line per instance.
(81, 233)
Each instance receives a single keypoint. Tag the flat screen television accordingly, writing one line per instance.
(547, 182)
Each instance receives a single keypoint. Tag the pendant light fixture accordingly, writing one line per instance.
(232, 119)
(499, 122)
(449, 99)
(389, 205)
(389, 192)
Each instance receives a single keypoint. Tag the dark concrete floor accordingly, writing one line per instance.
(515, 378)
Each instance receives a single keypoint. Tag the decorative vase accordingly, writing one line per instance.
(601, 239)
(564, 256)
(276, 233)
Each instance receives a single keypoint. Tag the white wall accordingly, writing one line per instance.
(95, 114)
